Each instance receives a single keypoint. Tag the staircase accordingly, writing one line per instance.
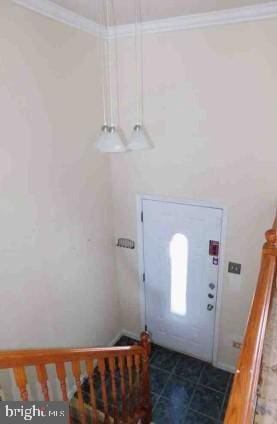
(119, 376)
(249, 373)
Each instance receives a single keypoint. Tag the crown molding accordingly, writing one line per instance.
(201, 20)
(52, 10)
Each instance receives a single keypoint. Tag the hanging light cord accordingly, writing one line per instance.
(109, 51)
(104, 58)
(108, 10)
(139, 62)
(116, 67)
(102, 47)
(107, 60)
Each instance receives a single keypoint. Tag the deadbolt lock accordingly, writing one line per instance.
(212, 286)
(211, 296)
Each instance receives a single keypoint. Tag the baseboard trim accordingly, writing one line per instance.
(130, 334)
(220, 365)
(225, 367)
(121, 333)
(115, 339)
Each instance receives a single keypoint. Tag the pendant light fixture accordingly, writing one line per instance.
(109, 140)
(139, 139)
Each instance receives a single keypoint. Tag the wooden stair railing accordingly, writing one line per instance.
(243, 397)
(127, 368)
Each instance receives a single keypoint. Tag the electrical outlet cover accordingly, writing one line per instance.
(237, 345)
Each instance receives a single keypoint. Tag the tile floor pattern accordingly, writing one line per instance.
(184, 390)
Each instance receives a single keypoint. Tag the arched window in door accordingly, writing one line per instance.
(179, 274)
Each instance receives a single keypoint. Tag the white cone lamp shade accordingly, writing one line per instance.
(109, 141)
(139, 139)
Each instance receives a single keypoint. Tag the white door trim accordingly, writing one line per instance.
(140, 198)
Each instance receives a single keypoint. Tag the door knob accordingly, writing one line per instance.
(210, 295)
(210, 307)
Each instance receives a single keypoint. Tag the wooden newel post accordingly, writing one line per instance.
(145, 342)
(271, 239)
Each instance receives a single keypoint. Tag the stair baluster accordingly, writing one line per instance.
(60, 368)
(76, 369)
(43, 380)
(130, 381)
(137, 382)
(114, 391)
(130, 361)
(21, 381)
(121, 363)
(90, 372)
(102, 370)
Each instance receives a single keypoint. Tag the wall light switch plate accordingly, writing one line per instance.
(234, 268)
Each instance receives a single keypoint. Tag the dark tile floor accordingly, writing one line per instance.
(185, 390)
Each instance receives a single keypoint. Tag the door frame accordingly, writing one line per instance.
(204, 203)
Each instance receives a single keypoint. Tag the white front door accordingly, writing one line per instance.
(181, 258)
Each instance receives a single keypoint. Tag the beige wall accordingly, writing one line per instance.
(57, 278)
(210, 107)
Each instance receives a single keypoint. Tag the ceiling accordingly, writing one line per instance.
(153, 9)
